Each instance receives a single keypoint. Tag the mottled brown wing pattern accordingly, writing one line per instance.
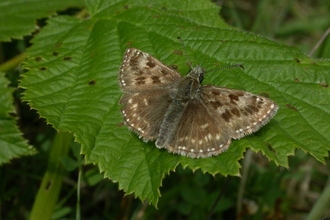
(147, 83)
(144, 111)
(241, 112)
(183, 116)
(140, 72)
(198, 134)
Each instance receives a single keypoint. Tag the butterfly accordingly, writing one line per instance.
(182, 115)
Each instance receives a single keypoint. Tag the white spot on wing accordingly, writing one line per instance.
(145, 101)
(204, 125)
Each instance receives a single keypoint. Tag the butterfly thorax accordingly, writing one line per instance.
(189, 87)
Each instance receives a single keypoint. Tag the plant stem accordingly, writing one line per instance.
(12, 63)
(50, 188)
(321, 206)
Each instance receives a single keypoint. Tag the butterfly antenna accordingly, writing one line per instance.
(226, 67)
(185, 52)
(187, 55)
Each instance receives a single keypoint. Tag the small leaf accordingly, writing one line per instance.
(13, 145)
(18, 18)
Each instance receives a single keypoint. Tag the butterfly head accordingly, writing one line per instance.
(197, 72)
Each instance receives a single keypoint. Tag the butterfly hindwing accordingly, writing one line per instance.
(240, 112)
(144, 111)
(197, 134)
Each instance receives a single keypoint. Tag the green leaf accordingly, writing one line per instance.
(18, 18)
(72, 82)
(13, 145)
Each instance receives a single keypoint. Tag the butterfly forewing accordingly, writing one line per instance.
(148, 84)
(241, 112)
(141, 71)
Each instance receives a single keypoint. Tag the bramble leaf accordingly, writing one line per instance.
(18, 18)
(72, 82)
(13, 145)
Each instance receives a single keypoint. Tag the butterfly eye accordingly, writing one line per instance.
(201, 78)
